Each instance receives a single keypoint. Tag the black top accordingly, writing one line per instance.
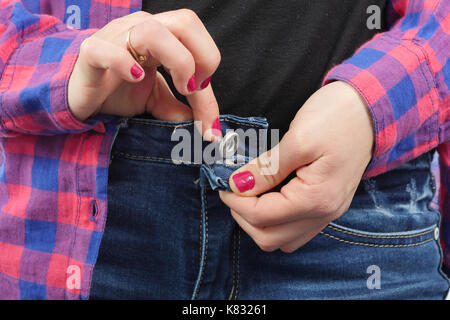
(276, 53)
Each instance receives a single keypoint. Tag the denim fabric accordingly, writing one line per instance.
(169, 236)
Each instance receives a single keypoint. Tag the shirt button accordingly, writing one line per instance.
(436, 234)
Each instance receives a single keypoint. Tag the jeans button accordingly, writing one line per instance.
(436, 234)
(229, 144)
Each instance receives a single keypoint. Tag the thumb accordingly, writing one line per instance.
(270, 168)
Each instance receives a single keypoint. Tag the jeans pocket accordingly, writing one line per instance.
(390, 226)
(381, 239)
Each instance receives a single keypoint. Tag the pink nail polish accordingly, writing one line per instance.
(205, 83)
(216, 128)
(136, 71)
(192, 85)
(244, 181)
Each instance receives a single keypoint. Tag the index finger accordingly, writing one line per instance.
(206, 112)
(189, 30)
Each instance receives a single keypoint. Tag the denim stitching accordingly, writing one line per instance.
(203, 244)
(233, 263)
(380, 237)
(242, 124)
(161, 124)
(188, 124)
(167, 160)
(377, 245)
(206, 233)
(154, 158)
(238, 263)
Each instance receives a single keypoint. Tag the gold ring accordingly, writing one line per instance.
(139, 58)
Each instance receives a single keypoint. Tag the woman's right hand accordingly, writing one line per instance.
(106, 79)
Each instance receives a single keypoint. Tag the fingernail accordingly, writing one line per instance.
(136, 71)
(192, 85)
(216, 128)
(244, 181)
(205, 83)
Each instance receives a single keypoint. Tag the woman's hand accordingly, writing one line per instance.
(329, 145)
(106, 79)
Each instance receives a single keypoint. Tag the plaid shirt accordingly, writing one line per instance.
(53, 168)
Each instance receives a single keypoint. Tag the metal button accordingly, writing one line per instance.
(229, 144)
(436, 234)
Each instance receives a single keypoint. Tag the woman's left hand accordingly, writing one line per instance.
(329, 145)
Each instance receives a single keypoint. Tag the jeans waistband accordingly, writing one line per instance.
(171, 141)
(181, 143)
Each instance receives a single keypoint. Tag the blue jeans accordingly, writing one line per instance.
(169, 236)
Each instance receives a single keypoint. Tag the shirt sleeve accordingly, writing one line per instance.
(37, 55)
(404, 76)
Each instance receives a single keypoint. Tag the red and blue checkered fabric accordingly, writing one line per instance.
(54, 169)
(404, 76)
